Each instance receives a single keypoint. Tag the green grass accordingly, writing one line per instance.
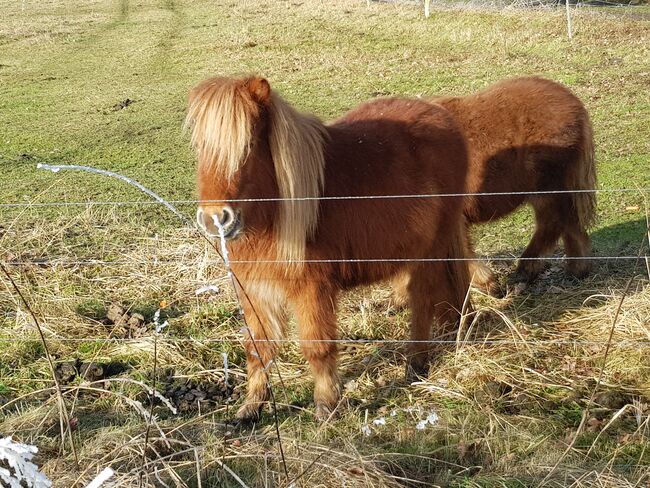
(507, 412)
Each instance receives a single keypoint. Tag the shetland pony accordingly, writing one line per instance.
(297, 251)
(528, 135)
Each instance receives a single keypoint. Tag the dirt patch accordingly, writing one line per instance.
(122, 104)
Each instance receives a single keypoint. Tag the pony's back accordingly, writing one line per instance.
(525, 134)
(383, 148)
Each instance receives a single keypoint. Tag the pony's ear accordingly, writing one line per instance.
(260, 89)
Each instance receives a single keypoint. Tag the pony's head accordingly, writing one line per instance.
(252, 145)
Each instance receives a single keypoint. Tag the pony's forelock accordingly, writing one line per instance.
(220, 116)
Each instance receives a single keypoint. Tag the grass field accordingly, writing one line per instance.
(535, 392)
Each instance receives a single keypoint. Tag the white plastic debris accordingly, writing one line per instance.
(101, 478)
(207, 289)
(431, 419)
(379, 421)
(225, 368)
(156, 321)
(18, 457)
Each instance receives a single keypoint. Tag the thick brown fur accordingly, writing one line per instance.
(383, 147)
(526, 135)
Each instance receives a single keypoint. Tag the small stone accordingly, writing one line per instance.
(519, 288)
(66, 372)
(136, 320)
(610, 399)
(593, 424)
(116, 314)
(91, 371)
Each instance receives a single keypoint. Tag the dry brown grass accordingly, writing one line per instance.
(509, 392)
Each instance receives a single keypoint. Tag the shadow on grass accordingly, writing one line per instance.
(555, 292)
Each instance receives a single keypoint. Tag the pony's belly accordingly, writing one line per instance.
(491, 207)
(352, 275)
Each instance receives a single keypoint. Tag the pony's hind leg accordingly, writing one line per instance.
(577, 245)
(548, 228)
(315, 309)
(265, 316)
(437, 290)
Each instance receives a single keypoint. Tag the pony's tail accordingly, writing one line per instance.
(458, 268)
(583, 177)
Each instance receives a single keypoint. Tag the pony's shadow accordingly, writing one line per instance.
(555, 292)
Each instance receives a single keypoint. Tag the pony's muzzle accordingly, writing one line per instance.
(217, 220)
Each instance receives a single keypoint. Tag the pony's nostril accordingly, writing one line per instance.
(227, 216)
(199, 218)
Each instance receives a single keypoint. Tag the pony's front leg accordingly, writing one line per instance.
(315, 309)
(265, 317)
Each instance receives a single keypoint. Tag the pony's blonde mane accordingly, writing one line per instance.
(296, 142)
(222, 114)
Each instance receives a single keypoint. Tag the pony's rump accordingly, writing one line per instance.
(528, 138)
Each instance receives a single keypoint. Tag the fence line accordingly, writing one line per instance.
(325, 198)
(157, 262)
(460, 342)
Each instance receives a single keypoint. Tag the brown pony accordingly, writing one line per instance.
(528, 135)
(302, 246)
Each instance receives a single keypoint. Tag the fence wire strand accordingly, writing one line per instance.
(184, 340)
(155, 262)
(321, 198)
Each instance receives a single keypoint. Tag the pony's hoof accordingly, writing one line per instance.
(579, 270)
(248, 413)
(484, 280)
(323, 412)
(416, 371)
(517, 288)
(491, 289)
